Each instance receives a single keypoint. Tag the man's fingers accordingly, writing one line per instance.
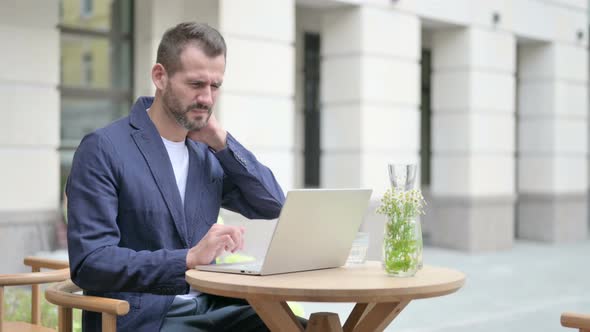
(220, 238)
(242, 238)
(219, 250)
(239, 236)
(236, 235)
(227, 243)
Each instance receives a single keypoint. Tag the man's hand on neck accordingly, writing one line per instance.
(213, 135)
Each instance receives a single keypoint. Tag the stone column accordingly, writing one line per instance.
(369, 95)
(473, 139)
(29, 130)
(257, 103)
(553, 142)
(370, 83)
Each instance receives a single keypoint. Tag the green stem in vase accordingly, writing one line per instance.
(400, 243)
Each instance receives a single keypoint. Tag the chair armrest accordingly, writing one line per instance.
(33, 278)
(575, 320)
(45, 263)
(62, 294)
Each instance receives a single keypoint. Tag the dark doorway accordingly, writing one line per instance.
(425, 117)
(311, 90)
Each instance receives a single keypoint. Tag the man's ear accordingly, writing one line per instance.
(159, 76)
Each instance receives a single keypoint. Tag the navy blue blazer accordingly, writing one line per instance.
(128, 231)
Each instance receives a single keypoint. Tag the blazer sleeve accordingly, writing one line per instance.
(96, 261)
(249, 187)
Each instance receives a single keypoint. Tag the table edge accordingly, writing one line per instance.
(359, 295)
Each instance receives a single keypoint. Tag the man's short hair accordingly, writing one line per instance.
(177, 38)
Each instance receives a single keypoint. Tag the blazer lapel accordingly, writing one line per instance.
(154, 152)
(195, 185)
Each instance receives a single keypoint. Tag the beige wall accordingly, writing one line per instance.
(29, 130)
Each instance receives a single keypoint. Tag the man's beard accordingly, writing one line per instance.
(181, 116)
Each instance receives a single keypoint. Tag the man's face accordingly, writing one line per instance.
(192, 91)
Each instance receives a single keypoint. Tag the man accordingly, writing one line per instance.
(144, 194)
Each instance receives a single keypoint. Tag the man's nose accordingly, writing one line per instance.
(205, 97)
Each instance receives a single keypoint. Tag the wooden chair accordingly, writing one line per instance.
(577, 321)
(64, 295)
(35, 278)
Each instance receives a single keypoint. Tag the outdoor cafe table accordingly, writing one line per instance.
(378, 297)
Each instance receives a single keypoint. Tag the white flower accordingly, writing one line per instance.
(400, 204)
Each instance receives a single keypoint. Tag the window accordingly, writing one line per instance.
(87, 68)
(86, 8)
(96, 69)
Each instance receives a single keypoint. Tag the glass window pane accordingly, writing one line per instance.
(122, 14)
(86, 14)
(85, 61)
(95, 62)
(121, 65)
(82, 116)
(97, 15)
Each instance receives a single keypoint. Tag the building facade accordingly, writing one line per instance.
(490, 98)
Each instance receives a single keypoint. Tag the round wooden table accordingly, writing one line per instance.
(379, 298)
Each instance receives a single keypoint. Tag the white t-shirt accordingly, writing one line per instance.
(178, 153)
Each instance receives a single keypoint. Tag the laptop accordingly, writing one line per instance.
(315, 230)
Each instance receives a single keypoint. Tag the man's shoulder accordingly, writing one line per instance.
(117, 127)
(112, 130)
(112, 134)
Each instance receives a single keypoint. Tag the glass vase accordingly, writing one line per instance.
(402, 247)
(402, 244)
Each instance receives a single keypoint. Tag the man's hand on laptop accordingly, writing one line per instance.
(218, 239)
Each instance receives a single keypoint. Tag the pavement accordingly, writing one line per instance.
(522, 289)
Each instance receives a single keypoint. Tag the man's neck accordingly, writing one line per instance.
(165, 123)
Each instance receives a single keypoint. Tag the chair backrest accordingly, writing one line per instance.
(35, 278)
(64, 295)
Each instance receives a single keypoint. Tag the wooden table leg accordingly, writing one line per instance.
(358, 313)
(324, 322)
(373, 316)
(276, 315)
